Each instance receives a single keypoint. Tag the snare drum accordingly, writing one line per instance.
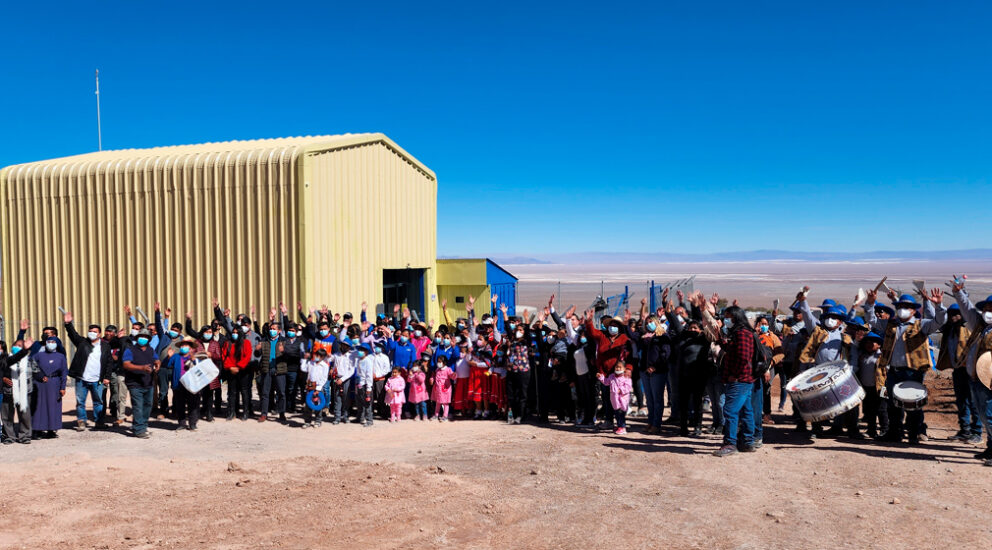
(825, 391)
(909, 395)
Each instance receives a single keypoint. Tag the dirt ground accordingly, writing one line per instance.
(484, 484)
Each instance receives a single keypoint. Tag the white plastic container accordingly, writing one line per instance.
(201, 374)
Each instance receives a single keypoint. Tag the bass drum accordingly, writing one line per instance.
(825, 391)
(909, 395)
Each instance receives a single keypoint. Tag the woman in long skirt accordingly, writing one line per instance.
(46, 410)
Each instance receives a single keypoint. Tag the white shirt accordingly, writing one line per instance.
(346, 364)
(581, 365)
(92, 371)
(462, 367)
(365, 369)
(380, 365)
(317, 372)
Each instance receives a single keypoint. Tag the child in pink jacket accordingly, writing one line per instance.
(444, 379)
(418, 390)
(620, 387)
(394, 394)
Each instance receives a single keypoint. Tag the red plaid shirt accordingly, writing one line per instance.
(738, 354)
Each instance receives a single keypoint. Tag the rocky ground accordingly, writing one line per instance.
(483, 484)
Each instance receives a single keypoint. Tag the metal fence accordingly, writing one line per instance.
(656, 290)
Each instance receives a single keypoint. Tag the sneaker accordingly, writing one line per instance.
(80, 425)
(643, 411)
(960, 436)
(923, 437)
(516, 420)
(714, 430)
(142, 435)
(748, 449)
(767, 419)
(697, 431)
(725, 450)
(758, 443)
(975, 439)
(987, 453)
(621, 431)
(987, 462)
(262, 418)
(781, 409)
(306, 425)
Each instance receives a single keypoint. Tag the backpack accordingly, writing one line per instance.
(762, 359)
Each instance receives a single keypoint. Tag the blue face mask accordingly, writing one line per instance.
(234, 336)
(173, 334)
(447, 342)
(291, 334)
(512, 326)
(15, 350)
(142, 341)
(51, 346)
(361, 353)
(273, 333)
(404, 339)
(184, 350)
(614, 331)
(208, 337)
(437, 341)
(652, 326)
(324, 332)
(583, 340)
(764, 329)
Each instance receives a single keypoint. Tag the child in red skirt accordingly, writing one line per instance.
(480, 363)
(497, 384)
(463, 370)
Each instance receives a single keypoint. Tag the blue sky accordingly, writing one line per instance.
(685, 127)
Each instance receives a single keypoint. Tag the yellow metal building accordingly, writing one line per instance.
(333, 220)
(480, 278)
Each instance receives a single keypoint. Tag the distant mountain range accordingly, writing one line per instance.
(751, 256)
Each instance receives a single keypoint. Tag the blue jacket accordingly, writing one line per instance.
(402, 355)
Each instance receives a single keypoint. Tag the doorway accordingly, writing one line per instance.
(406, 288)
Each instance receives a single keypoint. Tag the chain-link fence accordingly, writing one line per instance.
(685, 285)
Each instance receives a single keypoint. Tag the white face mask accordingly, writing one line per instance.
(134, 332)
(520, 334)
(244, 328)
(904, 313)
(831, 323)
(93, 335)
(987, 317)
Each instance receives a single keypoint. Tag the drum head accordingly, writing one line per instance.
(909, 391)
(815, 376)
(983, 369)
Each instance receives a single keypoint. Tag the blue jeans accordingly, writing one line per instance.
(715, 389)
(757, 405)
(95, 389)
(737, 409)
(982, 397)
(421, 409)
(654, 392)
(969, 420)
(141, 407)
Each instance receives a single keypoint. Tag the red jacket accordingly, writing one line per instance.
(608, 352)
(228, 358)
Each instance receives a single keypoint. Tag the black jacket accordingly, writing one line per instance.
(6, 362)
(83, 349)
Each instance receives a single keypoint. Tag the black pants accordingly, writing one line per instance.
(876, 412)
(584, 384)
(638, 390)
(516, 393)
(7, 412)
(271, 383)
(207, 403)
(766, 387)
(543, 392)
(186, 406)
(365, 404)
(379, 398)
(239, 391)
(291, 391)
(692, 386)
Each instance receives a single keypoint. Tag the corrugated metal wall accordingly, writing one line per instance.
(184, 224)
(94, 235)
(366, 208)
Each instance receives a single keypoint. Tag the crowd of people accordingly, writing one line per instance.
(550, 366)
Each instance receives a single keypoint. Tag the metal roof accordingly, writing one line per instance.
(100, 161)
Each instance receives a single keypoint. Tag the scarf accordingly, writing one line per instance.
(21, 386)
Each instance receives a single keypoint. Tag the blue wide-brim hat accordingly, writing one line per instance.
(907, 300)
(839, 312)
(827, 304)
(985, 302)
(858, 322)
(874, 336)
(882, 307)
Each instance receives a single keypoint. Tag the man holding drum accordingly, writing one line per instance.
(828, 342)
(978, 317)
(906, 354)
